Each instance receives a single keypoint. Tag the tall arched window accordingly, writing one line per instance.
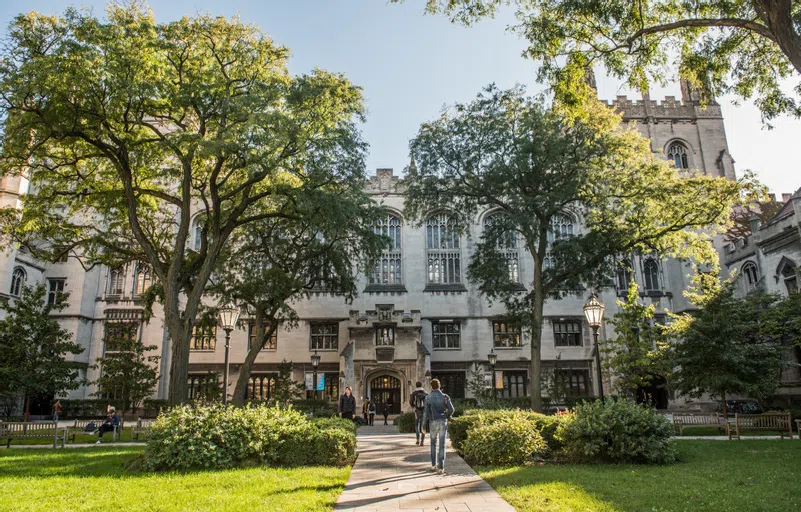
(561, 227)
(17, 281)
(623, 274)
(142, 279)
(116, 278)
(751, 275)
(677, 153)
(387, 270)
(507, 245)
(442, 250)
(650, 270)
(197, 232)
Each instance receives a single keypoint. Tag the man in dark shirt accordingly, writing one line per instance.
(347, 404)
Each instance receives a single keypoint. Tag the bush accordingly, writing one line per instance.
(505, 441)
(152, 408)
(405, 422)
(617, 431)
(214, 436)
(317, 408)
(335, 422)
(546, 425)
(86, 408)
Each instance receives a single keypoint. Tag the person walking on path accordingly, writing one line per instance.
(56, 410)
(347, 404)
(385, 412)
(365, 409)
(418, 403)
(437, 411)
(371, 412)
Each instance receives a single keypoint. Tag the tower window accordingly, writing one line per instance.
(677, 153)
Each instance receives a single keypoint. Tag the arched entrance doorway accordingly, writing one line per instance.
(386, 389)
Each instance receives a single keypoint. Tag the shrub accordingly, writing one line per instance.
(405, 422)
(335, 422)
(617, 431)
(505, 441)
(214, 436)
(546, 425)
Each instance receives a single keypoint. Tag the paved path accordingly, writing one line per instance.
(392, 473)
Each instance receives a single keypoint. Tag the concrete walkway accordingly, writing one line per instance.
(392, 473)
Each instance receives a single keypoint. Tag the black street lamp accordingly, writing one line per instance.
(492, 359)
(594, 311)
(229, 314)
(315, 360)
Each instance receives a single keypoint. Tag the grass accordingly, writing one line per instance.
(712, 431)
(80, 437)
(712, 476)
(93, 479)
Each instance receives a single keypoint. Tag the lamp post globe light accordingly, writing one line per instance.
(315, 361)
(492, 359)
(594, 312)
(229, 315)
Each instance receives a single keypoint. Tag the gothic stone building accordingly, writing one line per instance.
(417, 317)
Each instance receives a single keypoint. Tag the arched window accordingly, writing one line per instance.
(677, 153)
(789, 275)
(196, 232)
(751, 275)
(142, 279)
(116, 278)
(650, 270)
(387, 270)
(442, 250)
(623, 274)
(507, 245)
(561, 227)
(17, 281)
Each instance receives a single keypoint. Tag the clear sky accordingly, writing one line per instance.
(410, 65)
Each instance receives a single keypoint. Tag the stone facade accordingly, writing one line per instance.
(409, 326)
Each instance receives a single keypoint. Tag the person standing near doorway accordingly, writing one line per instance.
(418, 403)
(438, 410)
(365, 408)
(371, 413)
(347, 404)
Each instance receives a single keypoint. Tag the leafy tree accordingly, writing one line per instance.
(741, 217)
(639, 355)
(34, 347)
(505, 152)
(275, 262)
(155, 142)
(286, 388)
(743, 47)
(127, 373)
(729, 345)
(477, 385)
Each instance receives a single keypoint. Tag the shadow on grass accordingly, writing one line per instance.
(80, 462)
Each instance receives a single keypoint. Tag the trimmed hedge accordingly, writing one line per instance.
(507, 440)
(335, 422)
(546, 425)
(405, 422)
(617, 431)
(216, 436)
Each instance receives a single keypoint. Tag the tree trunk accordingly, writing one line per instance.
(238, 399)
(535, 385)
(723, 405)
(27, 414)
(777, 16)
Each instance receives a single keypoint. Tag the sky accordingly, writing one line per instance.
(410, 65)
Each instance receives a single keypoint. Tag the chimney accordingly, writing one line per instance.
(786, 198)
(755, 223)
(772, 197)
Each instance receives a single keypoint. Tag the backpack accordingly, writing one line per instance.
(419, 400)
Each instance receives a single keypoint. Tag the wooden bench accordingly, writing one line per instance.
(79, 427)
(681, 420)
(140, 428)
(773, 422)
(32, 430)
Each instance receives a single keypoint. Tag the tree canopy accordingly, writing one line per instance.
(35, 348)
(744, 47)
(155, 142)
(538, 169)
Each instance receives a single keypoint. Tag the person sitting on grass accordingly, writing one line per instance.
(111, 422)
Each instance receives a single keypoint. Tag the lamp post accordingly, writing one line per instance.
(315, 360)
(492, 359)
(229, 314)
(594, 312)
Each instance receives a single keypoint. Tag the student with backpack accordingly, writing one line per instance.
(438, 410)
(418, 403)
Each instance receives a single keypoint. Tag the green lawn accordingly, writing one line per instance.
(80, 437)
(84, 479)
(712, 476)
